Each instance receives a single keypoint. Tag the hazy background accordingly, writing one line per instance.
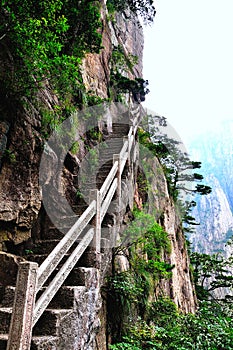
(188, 60)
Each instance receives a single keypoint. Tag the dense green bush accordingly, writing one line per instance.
(144, 243)
(45, 41)
(209, 329)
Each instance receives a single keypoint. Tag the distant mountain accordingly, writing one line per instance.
(214, 212)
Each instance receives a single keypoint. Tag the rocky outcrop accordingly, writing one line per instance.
(180, 287)
(20, 197)
(214, 212)
(215, 217)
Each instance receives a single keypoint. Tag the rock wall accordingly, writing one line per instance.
(180, 287)
(22, 215)
(20, 197)
(215, 211)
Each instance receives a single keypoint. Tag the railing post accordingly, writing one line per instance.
(116, 158)
(127, 138)
(96, 195)
(22, 314)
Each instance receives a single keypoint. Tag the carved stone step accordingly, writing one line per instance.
(105, 245)
(45, 343)
(50, 321)
(3, 341)
(77, 277)
(5, 317)
(64, 299)
(38, 342)
(52, 233)
(40, 258)
(8, 297)
(46, 246)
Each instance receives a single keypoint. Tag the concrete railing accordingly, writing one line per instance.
(31, 277)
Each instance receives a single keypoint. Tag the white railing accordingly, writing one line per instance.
(32, 278)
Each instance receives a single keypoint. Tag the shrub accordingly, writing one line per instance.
(144, 8)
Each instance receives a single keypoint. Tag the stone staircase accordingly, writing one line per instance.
(68, 303)
(94, 174)
(47, 331)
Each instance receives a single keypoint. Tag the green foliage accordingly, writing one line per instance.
(144, 8)
(95, 134)
(161, 311)
(124, 84)
(174, 160)
(47, 40)
(51, 119)
(10, 156)
(210, 329)
(75, 147)
(93, 100)
(122, 62)
(125, 288)
(157, 149)
(145, 243)
(143, 229)
(160, 325)
(146, 251)
(211, 272)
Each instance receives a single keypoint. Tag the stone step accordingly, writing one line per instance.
(50, 321)
(5, 318)
(46, 325)
(105, 245)
(45, 247)
(42, 247)
(52, 233)
(87, 259)
(40, 258)
(64, 298)
(44, 342)
(3, 341)
(8, 297)
(38, 342)
(120, 130)
(77, 277)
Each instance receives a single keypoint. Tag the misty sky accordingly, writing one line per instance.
(188, 60)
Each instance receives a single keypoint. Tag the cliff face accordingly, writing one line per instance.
(179, 288)
(216, 221)
(214, 212)
(23, 219)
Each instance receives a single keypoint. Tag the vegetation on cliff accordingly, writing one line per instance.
(146, 324)
(158, 324)
(143, 8)
(45, 42)
(42, 47)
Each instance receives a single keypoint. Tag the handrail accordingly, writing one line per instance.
(98, 207)
(124, 149)
(109, 179)
(108, 199)
(60, 277)
(53, 259)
